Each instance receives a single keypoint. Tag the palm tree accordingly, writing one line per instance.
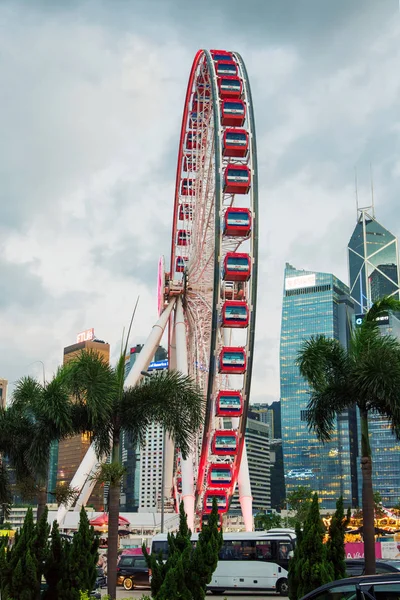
(27, 431)
(366, 374)
(169, 398)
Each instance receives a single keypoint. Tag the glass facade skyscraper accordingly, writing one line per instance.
(315, 303)
(373, 263)
(373, 273)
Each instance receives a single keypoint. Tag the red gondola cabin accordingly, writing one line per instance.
(221, 55)
(224, 443)
(229, 404)
(220, 496)
(233, 113)
(193, 140)
(237, 221)
(230, 87)
(189, 163)
(237, 267)
(180, 264)
(188, 187)
(232, 360)
(185, 211)
(219, 475)
(225, 68)
(237, 179)
(200, 102)
(235, 143)
(183, 237)
(235, 314)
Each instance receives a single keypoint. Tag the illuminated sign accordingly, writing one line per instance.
(303, 281)
(382, 320)
(157, 365)
(85, 336)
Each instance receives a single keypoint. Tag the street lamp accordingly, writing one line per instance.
(42, 363)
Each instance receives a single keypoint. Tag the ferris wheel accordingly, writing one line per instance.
(207, 298)
(213, 277)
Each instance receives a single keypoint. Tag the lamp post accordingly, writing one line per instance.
(43, 368)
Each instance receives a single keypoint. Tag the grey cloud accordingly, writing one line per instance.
(20, 288)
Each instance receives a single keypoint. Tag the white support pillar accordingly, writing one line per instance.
(188, 496)
(146, 354)
(169, 448)
(245, 497)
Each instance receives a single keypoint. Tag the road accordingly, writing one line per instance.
(121, 593)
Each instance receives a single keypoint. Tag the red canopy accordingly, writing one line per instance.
(102, 520)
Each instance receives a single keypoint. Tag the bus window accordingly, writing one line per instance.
(162, 547)
(283, 551)
(263, 550)
(237, 550)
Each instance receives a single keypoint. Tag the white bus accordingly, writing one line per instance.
(255, 561)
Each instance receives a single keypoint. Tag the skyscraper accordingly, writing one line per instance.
(71, 451)
(141, 490)
(373, 262)
(314, 303)
(373, 273)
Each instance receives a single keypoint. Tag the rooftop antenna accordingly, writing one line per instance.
(372, 191)
(356, 189)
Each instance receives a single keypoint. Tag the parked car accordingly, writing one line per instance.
(356, 566)
(367, 587)
(132, 571)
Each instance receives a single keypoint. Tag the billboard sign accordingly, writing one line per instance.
(303, 281)
(382, 320)
(158, 365)
(85, 336)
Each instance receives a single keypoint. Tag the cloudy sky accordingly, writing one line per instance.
(91, 98)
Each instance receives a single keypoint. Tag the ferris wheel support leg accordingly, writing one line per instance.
(146, 354)
(169, 449)
(182, 366)
(245, 497)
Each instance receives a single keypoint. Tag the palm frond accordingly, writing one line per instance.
(92, 382)
(381, 308)
(320, 359)
(377, 377)
(27, 392)
(168, 398)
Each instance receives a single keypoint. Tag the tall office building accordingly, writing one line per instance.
(3, 392)
(314, 303)
(373, 273)
(373, 262)
(266, 415)
(71, 451)
(141, 488)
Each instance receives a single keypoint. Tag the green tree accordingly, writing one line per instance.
(335, 545)
(366, 374)
(294, 575)
(168, 398)
(313, 568)
(82, 558)
(39, 413)
(299, 501)
(267, 521)
(21, 570)
(187, 570)
(56, 569)
(204, 558)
